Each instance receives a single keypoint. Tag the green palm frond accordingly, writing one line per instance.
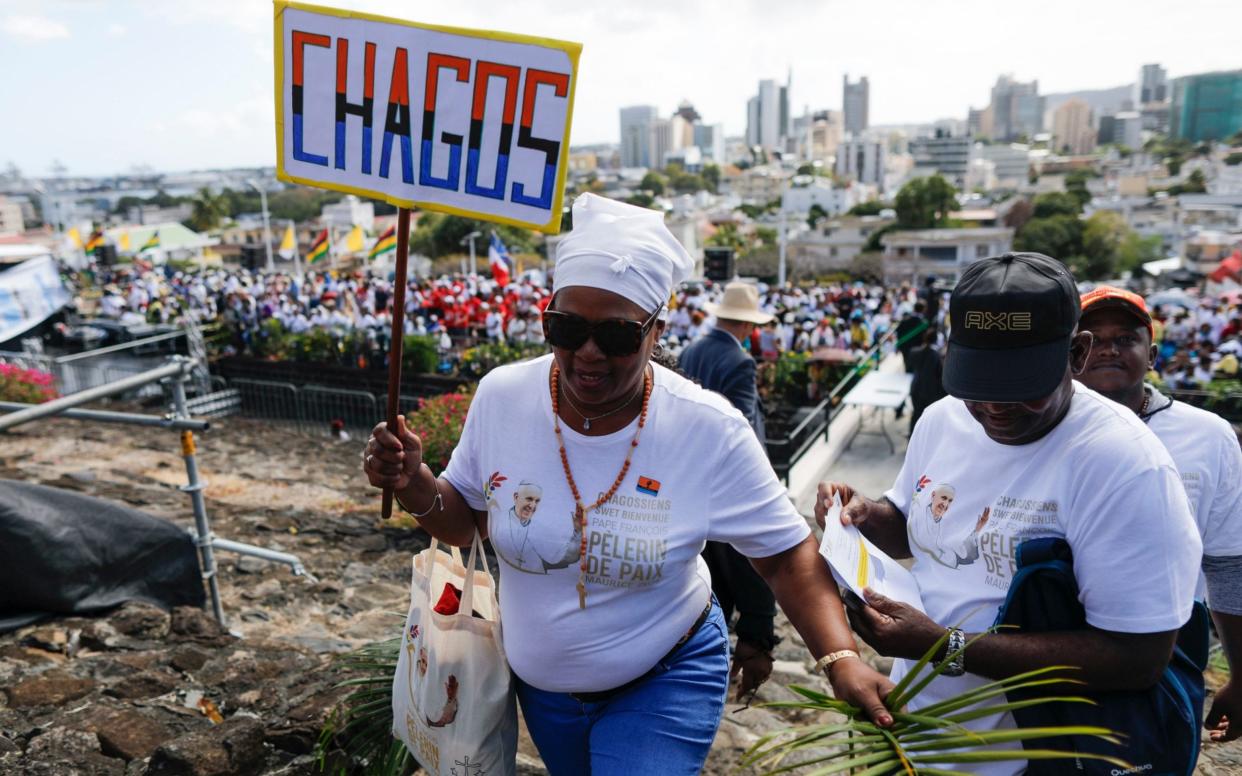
(361, 726)
(921, 743)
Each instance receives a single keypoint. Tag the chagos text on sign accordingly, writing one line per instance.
(490, 141)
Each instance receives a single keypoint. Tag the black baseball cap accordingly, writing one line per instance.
(1013, 317)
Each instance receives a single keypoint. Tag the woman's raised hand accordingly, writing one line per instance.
(392, 460)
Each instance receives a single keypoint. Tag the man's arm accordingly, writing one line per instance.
(878, 520)
(1224, 580)
(1104, 660)
(740, 389)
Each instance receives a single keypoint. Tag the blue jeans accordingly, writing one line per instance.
(664, 725)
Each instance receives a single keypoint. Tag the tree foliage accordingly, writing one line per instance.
(727, 236)
(1056, 203)
(925, 203)
(711, 177)
(683, 182)
(440, 235)
(1058, 236)
(652, 183)
(815, 215)
(207, 211)
(871, 208)
(1076, 186)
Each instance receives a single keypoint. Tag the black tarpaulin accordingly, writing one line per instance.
(63, 553)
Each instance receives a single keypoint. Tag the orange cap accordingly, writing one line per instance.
(1111, 296)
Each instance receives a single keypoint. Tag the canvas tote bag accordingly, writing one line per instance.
(453, 702)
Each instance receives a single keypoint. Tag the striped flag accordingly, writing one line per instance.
(386, 242)
(319, 248)
(152, 242)
(498, 257)
(95, 243)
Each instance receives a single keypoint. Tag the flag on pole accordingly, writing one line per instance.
(498, 257)
(95, 243)
(353, 242)
(289, 244)
(319, 248)
(75, 237)
(152, 242)
(386, 242)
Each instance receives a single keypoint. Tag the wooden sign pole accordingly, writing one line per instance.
(398, 334)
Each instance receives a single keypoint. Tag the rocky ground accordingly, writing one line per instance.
(142, 691)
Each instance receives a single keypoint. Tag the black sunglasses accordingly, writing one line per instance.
(616, 337)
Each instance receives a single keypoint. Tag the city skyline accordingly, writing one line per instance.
(180, 86)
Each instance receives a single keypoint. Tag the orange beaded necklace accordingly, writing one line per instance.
(580, 511)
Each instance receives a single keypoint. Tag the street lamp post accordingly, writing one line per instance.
(780, 276)
(474, 270)
(267, 228)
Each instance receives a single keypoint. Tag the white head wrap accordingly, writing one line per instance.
(623, 249)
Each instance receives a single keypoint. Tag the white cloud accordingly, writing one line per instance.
(34, 28)
(117, 30)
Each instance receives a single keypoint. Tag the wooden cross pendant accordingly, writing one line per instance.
(581, 594)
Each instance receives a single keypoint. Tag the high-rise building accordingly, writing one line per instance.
(767, 115)
(1011, 162)
(862, 161)
(686, 111)
(1127, 129)
(1152, 85)
(1071, 128)
(660, 141)
(682, 132)
(979, 122)
(636, 122)
(711, 141)
(1207, 106)
(1017, 109)
(855, 104)
(946, 156)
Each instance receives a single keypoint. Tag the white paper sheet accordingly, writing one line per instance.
(857, 564)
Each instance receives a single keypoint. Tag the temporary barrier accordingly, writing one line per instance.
(176, 372)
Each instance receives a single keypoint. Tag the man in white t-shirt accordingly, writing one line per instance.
(1206, 452)
(1029, 454)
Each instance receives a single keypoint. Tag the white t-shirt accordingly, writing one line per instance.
(1206, 453)
(697, 474)
(1100, 479)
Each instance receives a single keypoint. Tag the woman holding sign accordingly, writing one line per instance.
(598, 477)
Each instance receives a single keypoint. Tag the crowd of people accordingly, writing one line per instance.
(470, 309)
(1199, 341)
(1199, 338)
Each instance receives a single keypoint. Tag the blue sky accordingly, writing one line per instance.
(104, 85)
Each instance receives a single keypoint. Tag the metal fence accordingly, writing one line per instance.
(92, 368)
(310, 409)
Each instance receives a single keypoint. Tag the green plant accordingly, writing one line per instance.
(272, 341)
(362, 725)
(438, 422)
(919, 742)
(28, 386)
(419, 353)
(481, 359)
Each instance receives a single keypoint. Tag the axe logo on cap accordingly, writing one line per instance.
(998, 321)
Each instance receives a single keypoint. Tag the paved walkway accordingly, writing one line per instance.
(867, 465)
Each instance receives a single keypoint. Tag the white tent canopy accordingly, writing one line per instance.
(1160, 266)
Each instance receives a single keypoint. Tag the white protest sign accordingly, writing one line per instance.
(461, 121)
(858, 564)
